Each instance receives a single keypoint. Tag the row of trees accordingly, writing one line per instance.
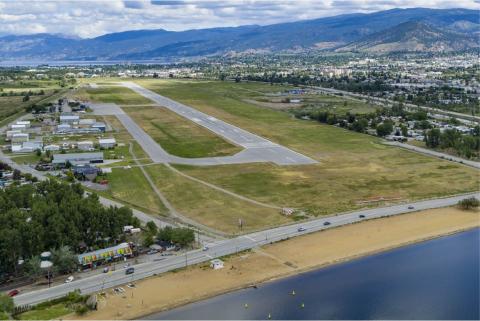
(21, 93)
(55, 216)
(357, 84)
(181, 236)
(467, 146)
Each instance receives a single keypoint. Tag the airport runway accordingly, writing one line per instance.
(256, 148)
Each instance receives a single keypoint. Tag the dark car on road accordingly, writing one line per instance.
(13, 293)
(130, 270)
(361, 216)
(326, 223)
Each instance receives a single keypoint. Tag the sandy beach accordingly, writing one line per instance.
(279, 260)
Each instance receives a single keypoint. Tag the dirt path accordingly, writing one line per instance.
(220, 189)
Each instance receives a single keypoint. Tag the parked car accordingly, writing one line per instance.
(205, 248)
(106, 269)
(152, 251)
(301, 229)
(326, 223)
(13, 293)
(411, 207)
(361, 216)
(69, 279)
(130, 270)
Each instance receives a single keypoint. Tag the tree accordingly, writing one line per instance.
(64, 260)
(6, 304)
(151, 228)
(32, 267)
(147, 240)
(360, 125)
(383, 130)
(17, 175)
(432, 138)
(404, 130)
(165, 234)
(183, 236)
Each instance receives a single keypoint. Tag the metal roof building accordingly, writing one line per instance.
(78, 158)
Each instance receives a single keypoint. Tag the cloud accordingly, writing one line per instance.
(88, 18)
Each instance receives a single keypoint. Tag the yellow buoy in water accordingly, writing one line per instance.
(302, 305)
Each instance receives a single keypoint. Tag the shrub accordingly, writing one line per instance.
(81, 309)
(469, 203)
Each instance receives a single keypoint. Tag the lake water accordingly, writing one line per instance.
(436, 279)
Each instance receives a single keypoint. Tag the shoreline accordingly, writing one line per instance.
(281, 260)
(309, 269)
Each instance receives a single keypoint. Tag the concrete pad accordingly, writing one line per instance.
(106, 109)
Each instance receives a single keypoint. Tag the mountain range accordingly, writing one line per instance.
(396, 30)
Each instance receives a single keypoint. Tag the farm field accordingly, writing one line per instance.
(355, 170)
(179, 136)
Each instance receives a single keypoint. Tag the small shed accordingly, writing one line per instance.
(216, 264)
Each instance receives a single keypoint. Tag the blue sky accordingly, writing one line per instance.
(93, 18)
